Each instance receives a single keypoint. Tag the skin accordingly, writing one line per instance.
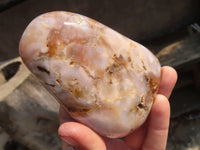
(152, 135)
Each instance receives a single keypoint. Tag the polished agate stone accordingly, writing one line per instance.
(103, 79)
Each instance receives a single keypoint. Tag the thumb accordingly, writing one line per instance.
(80, 136)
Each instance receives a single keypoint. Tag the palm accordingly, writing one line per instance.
(151, 135)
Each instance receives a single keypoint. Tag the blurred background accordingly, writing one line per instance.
(170, 29)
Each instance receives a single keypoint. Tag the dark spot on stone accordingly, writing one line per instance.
(144, 66)
(110, 81)
(78, 110)
(129, 59)
(43, 69)
(141, 106)
(58, 81)
(52, 85)
(109, 70)
(115, 55)
(146, 78)
(71, 63)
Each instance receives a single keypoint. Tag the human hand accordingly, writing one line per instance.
(152, 135)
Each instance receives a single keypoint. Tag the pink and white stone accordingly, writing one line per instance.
(103, 79)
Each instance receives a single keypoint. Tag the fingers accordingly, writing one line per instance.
(80, 136)
(66, 146)
(158, 124)
(76, 134)
(116, 144)
(168, 80)
(135, 139)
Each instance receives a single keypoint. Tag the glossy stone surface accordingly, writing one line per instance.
(102, 78)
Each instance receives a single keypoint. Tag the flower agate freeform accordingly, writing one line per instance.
(103, 79)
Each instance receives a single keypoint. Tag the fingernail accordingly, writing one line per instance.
(69, 141)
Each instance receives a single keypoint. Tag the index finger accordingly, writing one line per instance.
(168, 81)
